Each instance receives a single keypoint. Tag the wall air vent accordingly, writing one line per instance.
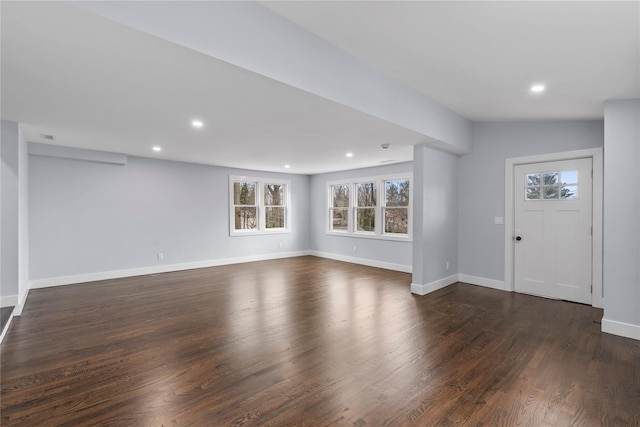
(47, 137)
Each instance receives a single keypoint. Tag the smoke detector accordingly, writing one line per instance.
(384, 146)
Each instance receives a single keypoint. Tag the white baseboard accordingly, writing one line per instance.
(22, 300)
(6, 328)
(117, 274)
(622, 329)
(363, 261)
(16, 301)
(473, 280)
(433, 286)
(9, 301)
(482, 281)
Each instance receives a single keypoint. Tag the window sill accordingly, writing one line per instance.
(235, 233)
(361, 235)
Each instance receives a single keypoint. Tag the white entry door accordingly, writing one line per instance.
(553, 229)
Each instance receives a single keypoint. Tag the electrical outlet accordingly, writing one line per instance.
(355, 249)
(447, 265)
(160, 256)
(280, 245)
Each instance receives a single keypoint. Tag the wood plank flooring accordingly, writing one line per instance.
(310, 342)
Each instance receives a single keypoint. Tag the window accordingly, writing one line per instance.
(380, 208)
(561, 185)
(244, 203)
(366, 206)
(274, 205)
(339, 209)
(396, 208)
(258, 206)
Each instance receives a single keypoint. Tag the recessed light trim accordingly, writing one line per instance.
(156, 148)
(537, 88)
(197, 123)
(287, 166)
(349, 154)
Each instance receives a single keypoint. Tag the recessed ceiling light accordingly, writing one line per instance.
(287, 166)
(157, 148)
(537, 88)
(197, 123)
(349, 154)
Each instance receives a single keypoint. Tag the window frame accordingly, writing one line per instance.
(384, 207)
(559, 185)
(380, 207)
(357, 207)
(342, 208)
(261, 227)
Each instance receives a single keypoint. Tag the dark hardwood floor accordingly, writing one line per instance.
(310, 342)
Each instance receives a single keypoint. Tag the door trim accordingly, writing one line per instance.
(509, 210)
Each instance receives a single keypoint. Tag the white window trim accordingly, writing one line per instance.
(379, 233)
(260, 206)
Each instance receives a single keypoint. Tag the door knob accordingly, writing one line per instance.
(518, 238)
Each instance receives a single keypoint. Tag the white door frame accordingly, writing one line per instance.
(597, 157)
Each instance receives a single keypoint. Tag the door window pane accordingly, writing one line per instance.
(569, 192)
(562, 185)
(569, 177)
(533, 193)
(550, 192)
(550, 178)
(532, 180)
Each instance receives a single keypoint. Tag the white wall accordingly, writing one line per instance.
(90, 217)
(23, 222)
(621, 266)
(10, 272)
(435, 233)
(481, 182)
(14, 217)
(382, 253)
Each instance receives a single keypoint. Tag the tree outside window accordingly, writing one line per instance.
(366, 209)
(258, 206)
(396, 210)
(244, 200)
(340, 207)
(376, 207)
(274, 205)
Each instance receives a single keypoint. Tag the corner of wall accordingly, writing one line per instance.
(427, 288)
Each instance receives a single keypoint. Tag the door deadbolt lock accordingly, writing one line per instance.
(518, 238)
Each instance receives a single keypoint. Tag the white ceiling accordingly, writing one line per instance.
(96, 84)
